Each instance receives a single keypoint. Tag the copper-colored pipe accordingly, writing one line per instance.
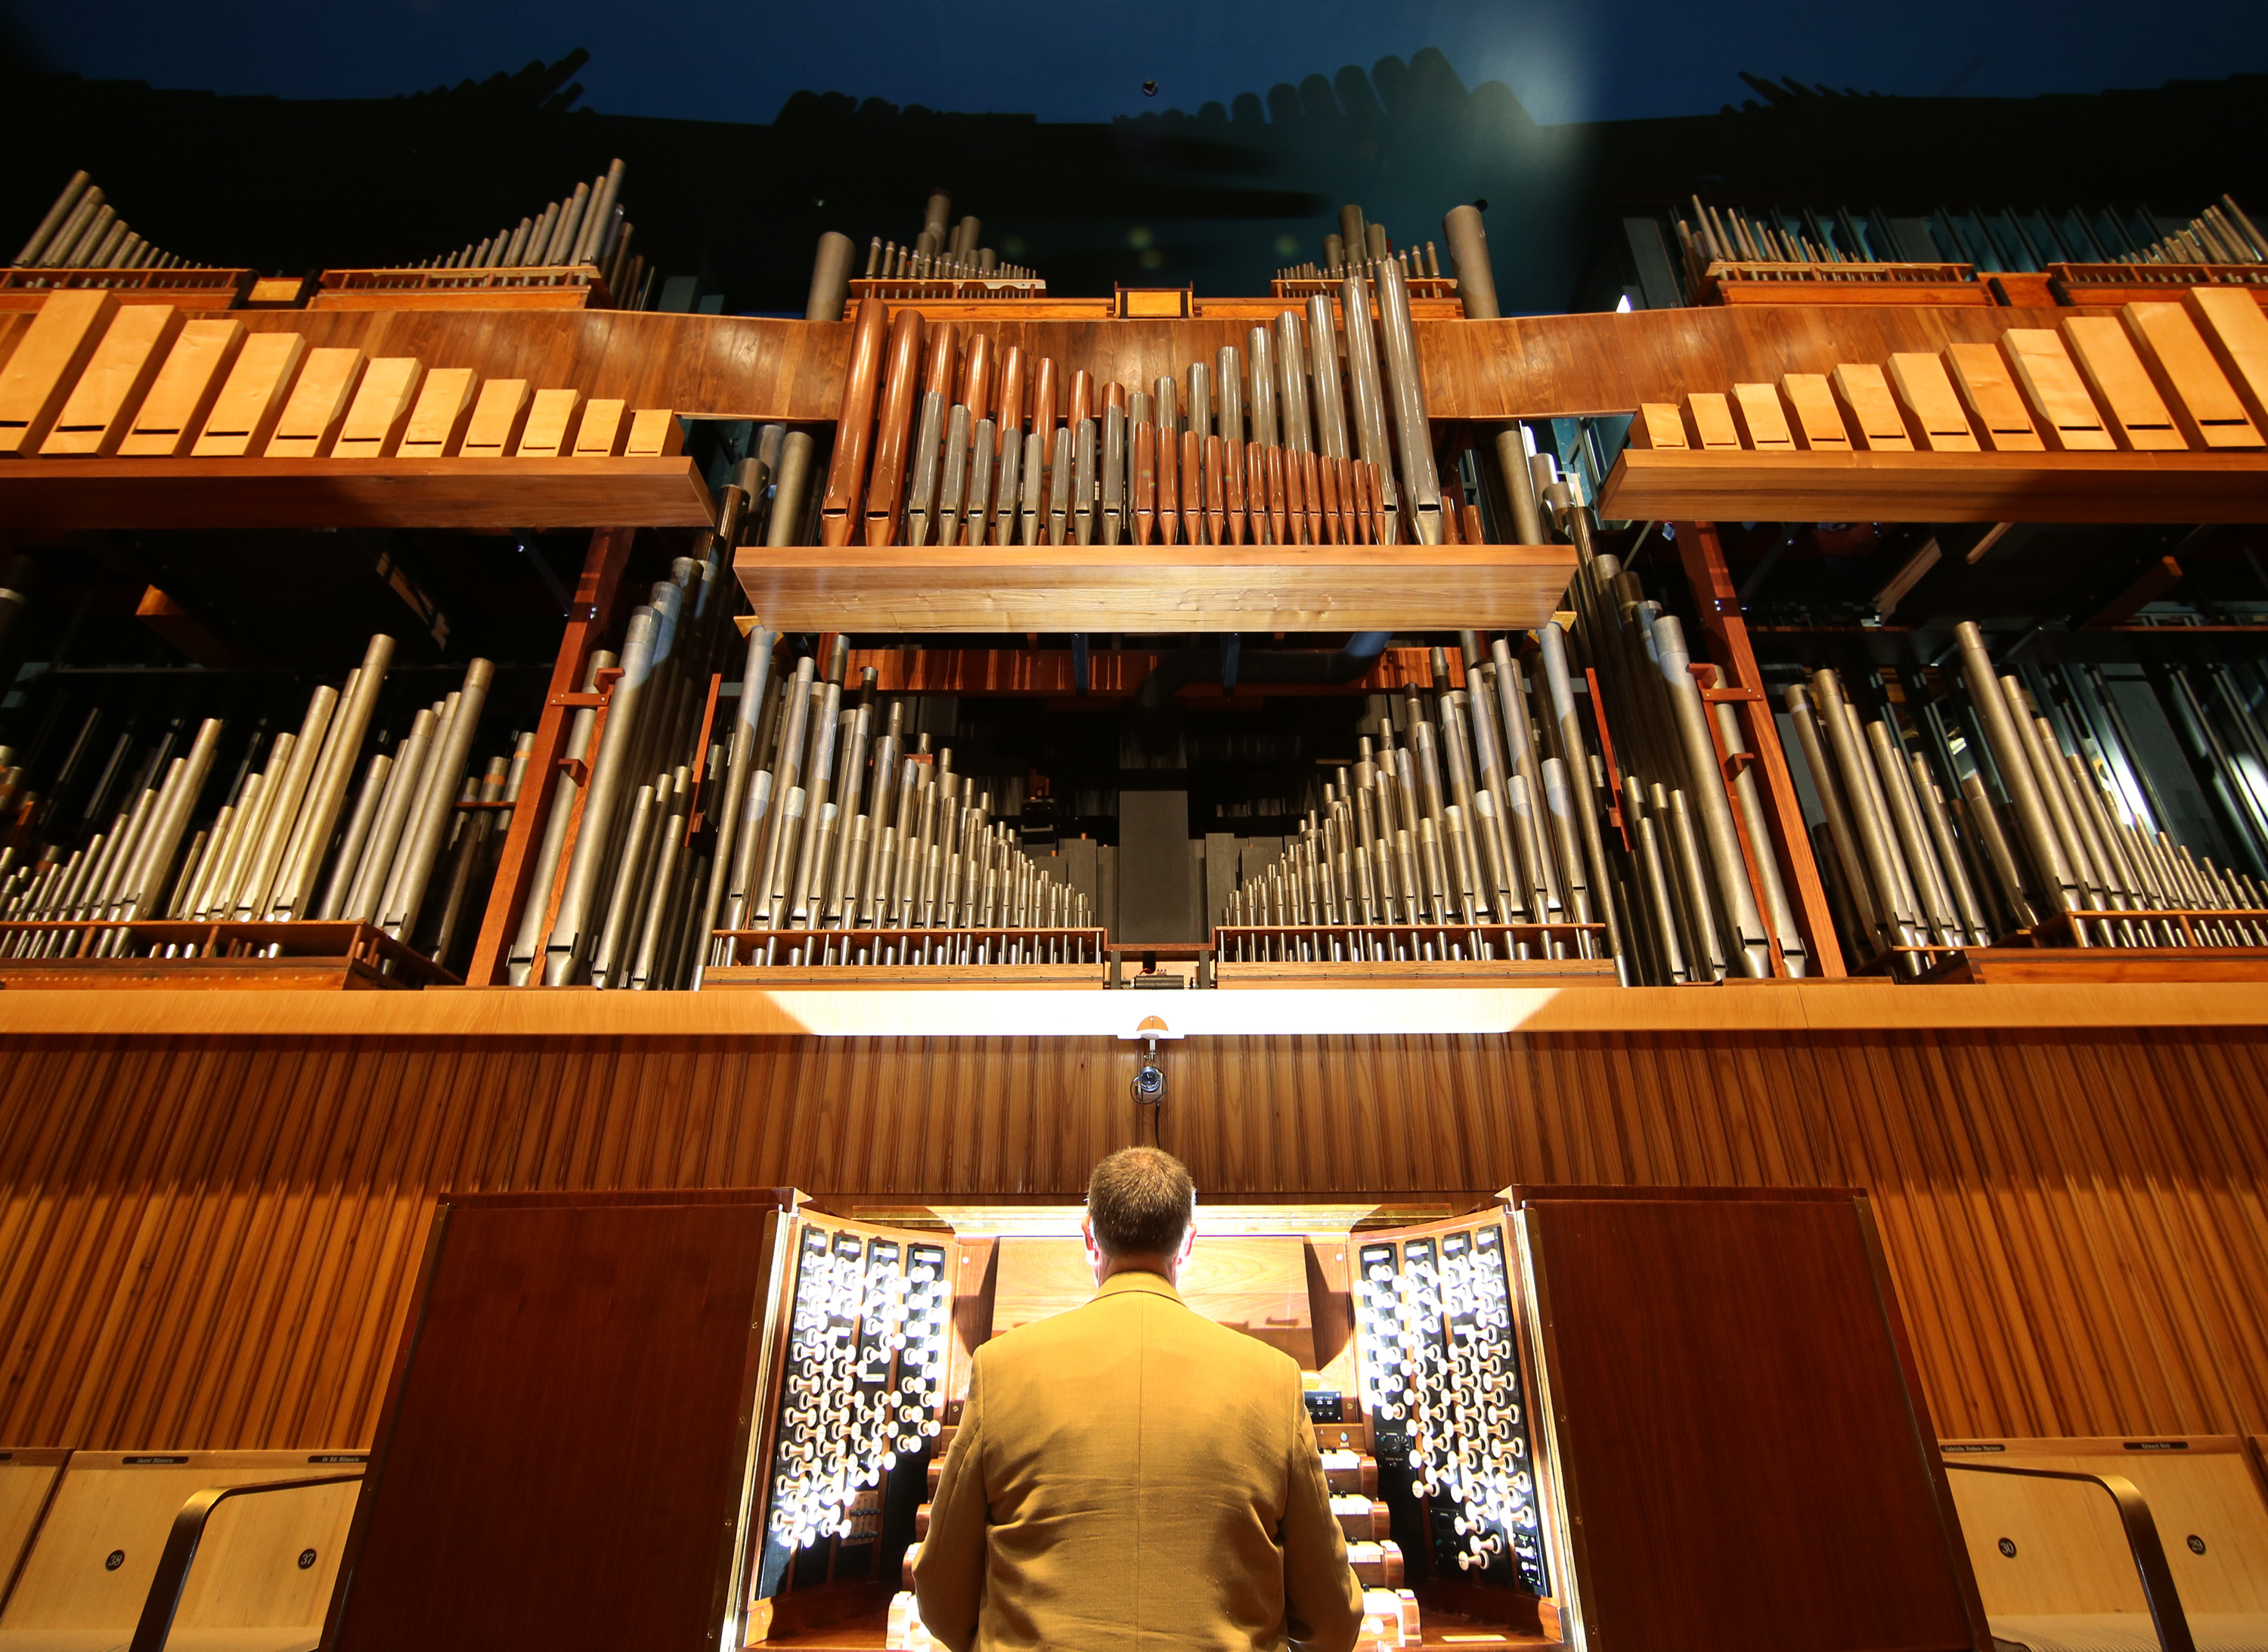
(1475, 535)
(1334, 519)
(1193, 514)
(1231, 463)
(1145, 481)
(1296, 500)
(1450, 531)
(1279, 521)
(894, 435)
(1311, 491)
(1011, 415)
(854, 429)
(1082, 397)
(1376, 485)
(1044, 405)
(1169, 487)
(1216, 493)
(1354, 488)
(1256, 490)
(976, 379)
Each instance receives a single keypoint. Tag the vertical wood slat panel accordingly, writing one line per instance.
(210, 1242)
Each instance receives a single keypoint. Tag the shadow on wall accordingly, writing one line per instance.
(1219, 199)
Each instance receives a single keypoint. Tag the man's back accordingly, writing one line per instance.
(1131, 1473)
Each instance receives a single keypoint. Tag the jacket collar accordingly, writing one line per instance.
(1153, 1284)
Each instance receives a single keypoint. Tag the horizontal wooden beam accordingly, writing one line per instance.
(915, 1012)
(1655, 484)
(474, 494)
(1159, 588)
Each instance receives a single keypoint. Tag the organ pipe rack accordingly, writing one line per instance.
(2153, 375)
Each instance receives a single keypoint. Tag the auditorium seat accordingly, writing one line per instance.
(2054, 1563)
(27, 1478)
(261, 1576)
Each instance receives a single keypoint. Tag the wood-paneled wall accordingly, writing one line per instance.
(210, 1242)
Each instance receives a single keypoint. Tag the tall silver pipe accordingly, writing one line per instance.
(727, 879)
(405, 892)
(327, 794)
(1558, 682)
(830, 279)
(1519, 486)
(250, 897)
(1421, 487)
(1779, 911)
(635, 866)
(360, 819)
(72, 193)
(567, 954)
(1374, 443)
(787, 775)
(2010, 757)
(1869, 815)
(1841, 831)
(1228, 376)
(1329, 401)
(251, 824)
(1260, 354)
(792, 489)
(1469, 255)
(527, 941)
(1292, 385)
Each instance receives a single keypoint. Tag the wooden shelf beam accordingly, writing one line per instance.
(1158, 588)
(1664, 485)
(475, 494)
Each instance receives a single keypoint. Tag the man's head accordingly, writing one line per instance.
(1140, 1211)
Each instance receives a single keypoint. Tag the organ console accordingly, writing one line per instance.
(1412, 1338)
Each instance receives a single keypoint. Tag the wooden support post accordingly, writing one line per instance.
(594, 600)
(1703, 557)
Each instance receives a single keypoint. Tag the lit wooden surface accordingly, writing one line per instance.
(1652, 485)
(61, 494)
(1156, 588)
(247, 1577)
(2073, 1213)
(2071, 1554)
(1255, 1285)
(1400, 1010)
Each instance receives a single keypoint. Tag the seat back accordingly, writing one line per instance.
(2206, 1497)
(27, 1476)
(92, 1564)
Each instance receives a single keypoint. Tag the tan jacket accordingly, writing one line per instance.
(1131, 1474)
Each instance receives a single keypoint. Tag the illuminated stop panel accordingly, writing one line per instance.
(858, 1403)
(1443, 1383)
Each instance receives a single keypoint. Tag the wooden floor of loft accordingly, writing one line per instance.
(1652, 485)
(1083, 588)
(494, 495)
